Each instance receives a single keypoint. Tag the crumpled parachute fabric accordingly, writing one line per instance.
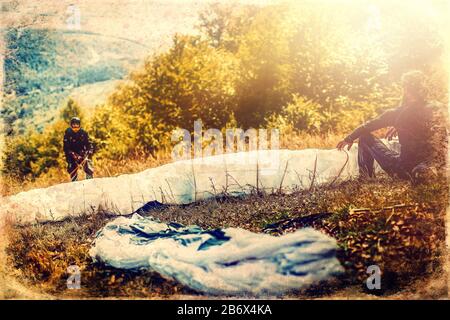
(229, 261)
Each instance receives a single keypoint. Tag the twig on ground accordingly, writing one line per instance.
(171, 192)
(240, 186)
(282, 177)
(213, 186)
(299, 179)
(314, 175)
(163, 197)
(257, 176)
(340, 171)
(195, 182)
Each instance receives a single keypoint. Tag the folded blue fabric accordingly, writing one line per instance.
(221, 261)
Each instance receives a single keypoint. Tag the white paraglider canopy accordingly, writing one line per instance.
(186, 181)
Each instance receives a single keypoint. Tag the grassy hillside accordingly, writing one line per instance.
(46, 62)
(90, 95)
(69, 60)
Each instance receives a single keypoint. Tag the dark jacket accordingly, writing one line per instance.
(77, 142)
(421, 132)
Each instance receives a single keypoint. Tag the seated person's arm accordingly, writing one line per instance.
(384, 120)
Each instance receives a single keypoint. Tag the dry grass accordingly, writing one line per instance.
(300, 140)
(407, 242)
(10, 287)
(103, 168)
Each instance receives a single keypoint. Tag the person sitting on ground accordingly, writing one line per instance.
(78, 149)
(421, 131)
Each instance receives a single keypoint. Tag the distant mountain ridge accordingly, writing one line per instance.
(50, 60)
(44, 66)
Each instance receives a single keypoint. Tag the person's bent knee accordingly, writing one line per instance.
(366, 139)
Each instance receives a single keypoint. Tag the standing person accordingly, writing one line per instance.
(78, 150)
(421, 131)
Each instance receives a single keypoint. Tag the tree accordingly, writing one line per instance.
(71, 109)
(223, 25)
(191, 81)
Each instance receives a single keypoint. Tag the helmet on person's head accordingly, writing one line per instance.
(75, 120)
(75, 124)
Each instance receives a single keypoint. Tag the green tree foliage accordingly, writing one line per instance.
(72, 109)
(192, 81)
(29, 53)
(263, 86)
(315, 67)
(299, 114)
(318, 54)
(113, 132)
(224, 25)
(33, 153)
(42, 66)
(312, 64)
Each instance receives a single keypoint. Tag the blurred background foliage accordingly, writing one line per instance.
(303, 67)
